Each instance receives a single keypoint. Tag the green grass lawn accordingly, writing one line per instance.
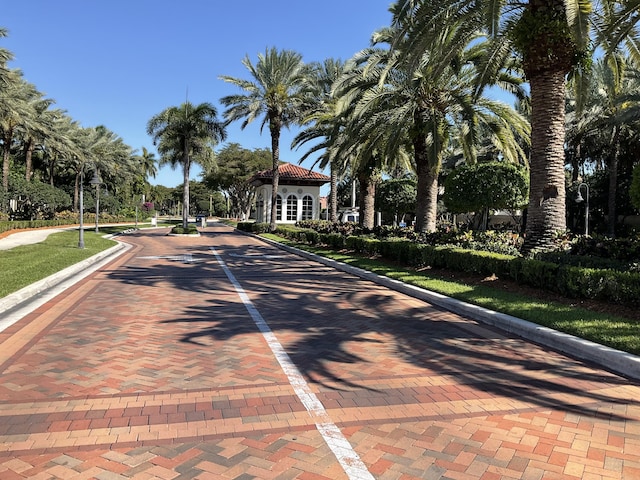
(24, 265)
(620, 333)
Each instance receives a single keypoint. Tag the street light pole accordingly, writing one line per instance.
(81, 231)
(96, 181)
(580, 199)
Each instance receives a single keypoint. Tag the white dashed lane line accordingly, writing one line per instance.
(334, 438)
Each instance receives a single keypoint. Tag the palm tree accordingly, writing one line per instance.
(62, 145)
(14, 112)
(185, 134)
(148, 163)
(419, 106)
(552, 37)
(608, 120)
(78, 158)
(5, 57)
(114, 161)
(322, 124)
(278, 93)
(145, 166)
(39, 129)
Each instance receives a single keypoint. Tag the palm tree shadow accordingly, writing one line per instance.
(334, 328)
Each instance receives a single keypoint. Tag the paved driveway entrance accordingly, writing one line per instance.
(223, 357)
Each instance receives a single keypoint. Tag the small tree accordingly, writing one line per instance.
(484, 186)
(37, 200)
(235, 165)
(396, 197)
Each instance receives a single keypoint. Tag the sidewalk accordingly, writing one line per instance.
(27, 237)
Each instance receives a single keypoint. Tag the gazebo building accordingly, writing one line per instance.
(298, 194)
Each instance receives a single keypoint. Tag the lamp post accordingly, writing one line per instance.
(81, 231)
(96, 181)
(580, 199)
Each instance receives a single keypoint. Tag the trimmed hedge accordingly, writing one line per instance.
(569, 280)
(26, 224)
(6, 226)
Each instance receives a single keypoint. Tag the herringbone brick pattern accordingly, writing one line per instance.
(152, 369)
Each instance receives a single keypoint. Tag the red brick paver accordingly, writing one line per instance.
(152, 368)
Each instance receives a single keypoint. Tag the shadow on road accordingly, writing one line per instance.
(340, 331)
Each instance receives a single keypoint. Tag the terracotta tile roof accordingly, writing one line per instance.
(290, 175)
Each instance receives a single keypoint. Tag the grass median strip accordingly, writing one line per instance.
(26, 264)
(616, 332)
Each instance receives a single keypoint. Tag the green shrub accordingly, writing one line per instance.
(535, 273)
(312, 236)
(26, 224)
(566, 274)
(364, 245)
(625, 250)
(585, 261)
(606, 285)
(180, 230)
(336, 241)
(398, 251)
(253, 227)
(473, 261)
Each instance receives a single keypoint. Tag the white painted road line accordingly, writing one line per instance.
(333, 437)
(185, 258)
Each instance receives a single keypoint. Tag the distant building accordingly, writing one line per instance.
(298, 194)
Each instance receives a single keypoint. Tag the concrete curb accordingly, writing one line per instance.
(611, 359)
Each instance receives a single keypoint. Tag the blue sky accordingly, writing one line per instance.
(119, 62)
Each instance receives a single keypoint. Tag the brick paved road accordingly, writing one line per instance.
(153, 367)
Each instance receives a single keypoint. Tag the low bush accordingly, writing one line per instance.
(576, 276)
(607, 285)
(180, 230)
(624, 250)
(364, 245)
(25, 224)
(336, 241)
(253, 227)
(585, 261)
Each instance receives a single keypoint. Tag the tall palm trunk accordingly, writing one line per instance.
(333, 194)
(52, 170)
(186, 167)
(613, 184)
(28, 155)
(548, 57)
(6, 151)
(575, 164)
(367, 180)
(274, 126)
(546, 213)
(427, 189)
